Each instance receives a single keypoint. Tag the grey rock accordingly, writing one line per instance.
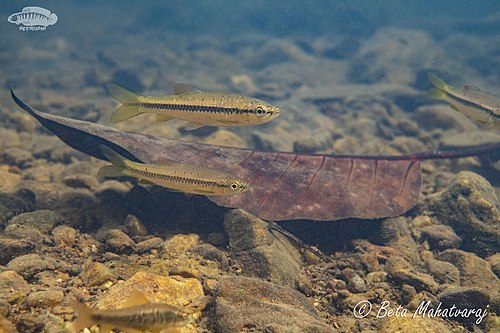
(29, 264)
(95, 274)
(25, 232)
(474, 271)
(14, 204)
(28, 323)
(395, 232)
(134, 226)
(43, 220)
(466, 298)
(119, 242)
(468, 205)
(259, 252)
(355, 283)
(443, 272)
(64, 235)
(11, 248)
(210, 252)
(243, 303)
(401, 272)
(45, 298)
(494, 261)
(148, 245)
(440, 237)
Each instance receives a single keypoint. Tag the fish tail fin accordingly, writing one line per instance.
(124, 112)
(129, 100)
(84, 316)
(122, 95)
(109, 171)
(437, 82)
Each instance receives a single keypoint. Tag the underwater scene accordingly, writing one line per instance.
(262, 166)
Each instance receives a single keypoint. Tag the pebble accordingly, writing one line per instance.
(494, 261)
(134, 226)
(185, 293)
(179, 244)
(95, 274)
(148, 245)
(28, 323)
(250, 304)
(64, 235)
(45, 298)
(4, 307)
(401, 272)
(210, 252)
(465, 298)
(354, 281)
(440, 237)
(43, 220)
(410, 324)
(17, 156)
(11, 248)
(14, 204)
(259, 252)
(443, 272)
(468, 205)
(119, 242)
(24, 232)
(474, 271)
(29, 264)
(6, 326)
(13, 287)
(395, 232)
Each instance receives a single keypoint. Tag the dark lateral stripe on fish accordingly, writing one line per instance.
(472, 104)
(177, 179)
(193, 108)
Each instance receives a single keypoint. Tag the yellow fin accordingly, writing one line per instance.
(436, 94)
(181, 88)
(437, 82)
(122, 95)
(124, 112)
(112, 156)
(146, 182)
(84, 316)
(163, 117)
(136, 298)
(109, 171)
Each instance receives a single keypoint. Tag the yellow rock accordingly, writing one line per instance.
(180, 244)
(409, 324)
(8, 180)
(184, 293)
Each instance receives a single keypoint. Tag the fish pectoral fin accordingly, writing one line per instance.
(109, 171)
(437, 82)
(136, 298)
(162, 118)
(192, 126)
(454, 108)
(436, 94)
(181, 88)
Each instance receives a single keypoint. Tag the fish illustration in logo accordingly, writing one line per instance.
(33, 16)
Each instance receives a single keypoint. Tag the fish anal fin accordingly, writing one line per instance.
(146, 182)
(192, 126)
(124, 112)
(181, 88)
(135, 298)
(162, 118)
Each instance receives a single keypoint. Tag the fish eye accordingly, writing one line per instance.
(259, 111)
(234, 186)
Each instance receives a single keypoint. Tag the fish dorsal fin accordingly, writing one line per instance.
(181, 88)
(162, 118)
(136, 298)
(471, 88)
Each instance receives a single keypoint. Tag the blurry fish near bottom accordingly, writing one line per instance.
(477, 105)
(139, 315)
(175, 176)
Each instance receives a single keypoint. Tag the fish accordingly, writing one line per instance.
(196, 107)
(33, 16)
(138, 315)
(180, 177)
(474, 103)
